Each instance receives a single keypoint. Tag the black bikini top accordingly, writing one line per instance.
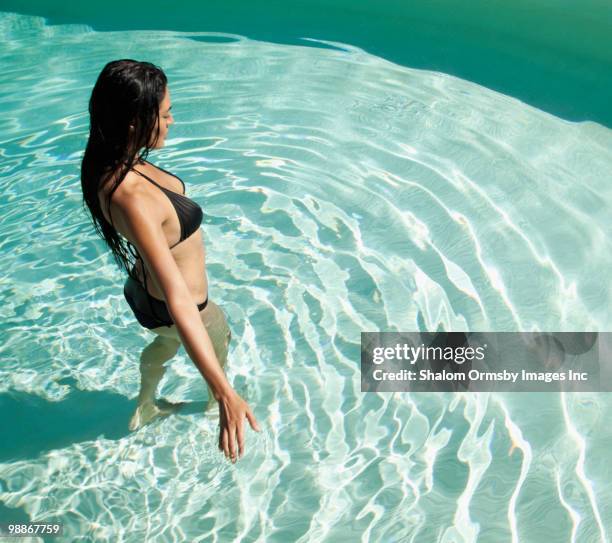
(189, 213)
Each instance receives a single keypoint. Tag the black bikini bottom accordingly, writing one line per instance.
(150, 312)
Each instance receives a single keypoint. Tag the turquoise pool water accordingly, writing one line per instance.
(342, 193)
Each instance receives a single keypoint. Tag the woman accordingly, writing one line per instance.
(141, 209)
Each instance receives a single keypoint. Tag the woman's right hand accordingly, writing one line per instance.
(232, 411)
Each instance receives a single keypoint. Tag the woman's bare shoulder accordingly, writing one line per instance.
(130, 196)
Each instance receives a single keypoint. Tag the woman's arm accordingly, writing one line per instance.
(144, 227)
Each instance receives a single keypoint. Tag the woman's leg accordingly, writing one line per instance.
(218, 330)
(152, 370)
(220, 336)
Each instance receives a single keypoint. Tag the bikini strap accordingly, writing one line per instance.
(147, 177)
(178, 215)
(157, 184)
(169, 173)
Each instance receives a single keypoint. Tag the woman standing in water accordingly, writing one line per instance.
(167, 287)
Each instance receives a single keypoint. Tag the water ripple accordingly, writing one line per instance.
(342, 193)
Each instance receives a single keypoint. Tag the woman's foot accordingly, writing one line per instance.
(149, 411)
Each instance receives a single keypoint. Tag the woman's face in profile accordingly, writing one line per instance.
(165, 120)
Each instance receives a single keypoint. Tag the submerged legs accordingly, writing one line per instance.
(152, 370)
(218, 330)
(163, 348)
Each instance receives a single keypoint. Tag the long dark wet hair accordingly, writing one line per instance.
(123, 111)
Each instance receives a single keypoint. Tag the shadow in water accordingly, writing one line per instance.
(32, 425)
